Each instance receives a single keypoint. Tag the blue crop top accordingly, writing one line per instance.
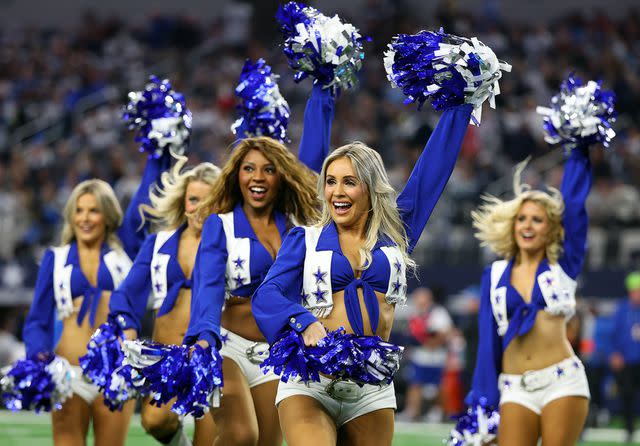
(231, 260)
(503, 314)
(38, 331)
(282, 301)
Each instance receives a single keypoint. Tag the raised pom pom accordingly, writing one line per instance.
(160, 117)
(103, 366)
(477, 426)
(263, 111)
(38, 383)
(194, 378)
(446, 69)
(320, 46)
(363, 359)
(580, 115)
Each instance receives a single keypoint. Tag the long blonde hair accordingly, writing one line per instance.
(384, 218)
(296, 194)
(494, 219)
(107, 203)
(167, 210)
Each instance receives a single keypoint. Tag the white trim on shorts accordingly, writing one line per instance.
(235, 348)
(82, 387)
(372, 398)
(537, 388)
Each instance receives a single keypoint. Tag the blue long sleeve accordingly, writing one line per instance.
(130, 232)
(576, 183)
(316, 134)
(432, 171)
(209, 282)
(130, 299)
(276, 303)
(489, 356)
(38, 327)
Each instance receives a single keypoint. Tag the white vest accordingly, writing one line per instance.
(238, 271)
(158, 268)
(317, 293)
(116, 261)
(558, 290)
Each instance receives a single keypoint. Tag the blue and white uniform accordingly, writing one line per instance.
(61, 280)
(231, 261)
(504, 315)
(310, 267)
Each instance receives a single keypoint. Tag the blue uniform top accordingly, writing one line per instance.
(626, 338)
(283, 300)
(553, 289)
(38, 332)
(231, 260)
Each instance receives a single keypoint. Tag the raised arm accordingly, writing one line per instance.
(276, 303)
(209, 282)
(131, 233)
(576, 183)
(316, 134)
(38, 327)
(489, 356)
(432, 171)
(129, 302)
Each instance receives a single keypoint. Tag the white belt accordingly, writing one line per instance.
(534, 380)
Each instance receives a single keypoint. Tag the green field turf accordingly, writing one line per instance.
(34, 430)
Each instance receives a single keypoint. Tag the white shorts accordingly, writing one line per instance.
(349, 401)
(82, 387)
(248, 355)
(537, 388)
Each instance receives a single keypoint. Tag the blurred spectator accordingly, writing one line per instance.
(10, 348)
(430, 326)
(625, 357)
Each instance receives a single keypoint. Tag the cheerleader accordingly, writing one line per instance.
(74, 283)
(358, 253)
(525, 363)
(163, 269)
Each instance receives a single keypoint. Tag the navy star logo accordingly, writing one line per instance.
(119, 268)
(549, 281)
(239, 262)
(319, 275)
(499, 317)
(156, 267)
(497, 298)
(506, 383)
(158, 287)
(224, 338)
(398, 266)
(319, 294)
(61, 286)
(559, 371)
(63, 301)
(305, 297)
(576, 364)
(396, 286)
(239, 279)
(554, 296)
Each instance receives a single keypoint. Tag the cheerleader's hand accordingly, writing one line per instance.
(130, 334)
(313, 333)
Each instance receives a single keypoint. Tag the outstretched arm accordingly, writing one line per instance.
(276, 303)
(576, 183)
(316, 134)
(432, 171)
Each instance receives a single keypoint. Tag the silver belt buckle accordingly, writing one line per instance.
(343, 390)
(257, 352)
(534, 380)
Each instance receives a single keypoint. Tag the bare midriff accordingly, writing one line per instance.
(238, 318)
(544, 345)
(338, 316)
(171, 327)
(74, 338)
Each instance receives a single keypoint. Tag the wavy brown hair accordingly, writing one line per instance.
(296, 194)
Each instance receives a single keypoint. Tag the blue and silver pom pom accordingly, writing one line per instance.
(322, 47)
(478, 426)
(263, 111)
(103, 365)
(363, 359)
(445, 69)
(580, 115)
(38, 383)
(160, 117)
(194, 378)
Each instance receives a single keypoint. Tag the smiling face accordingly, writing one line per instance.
(531, 228)
(195, 193)
(259, 181)
(89, 225)
(346, 195)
